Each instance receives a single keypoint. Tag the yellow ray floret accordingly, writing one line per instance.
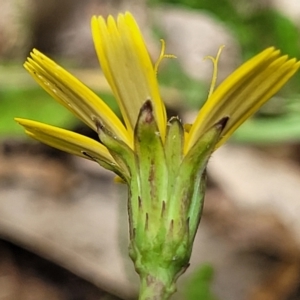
(127, 66)
(66, 140)
(74, 95)
(242, 93)
(128, 69)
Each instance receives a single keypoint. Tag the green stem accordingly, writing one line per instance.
(153, 288)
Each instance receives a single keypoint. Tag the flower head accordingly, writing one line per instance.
(131, 75)
(162, 163)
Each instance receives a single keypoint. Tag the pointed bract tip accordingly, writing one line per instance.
(222, 123)
(98, 124)
(147, 106)
(147, 111)
(174, 119)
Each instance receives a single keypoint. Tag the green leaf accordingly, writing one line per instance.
(283, 129)
(198, 285)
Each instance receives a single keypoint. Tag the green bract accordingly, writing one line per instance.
(166, 192)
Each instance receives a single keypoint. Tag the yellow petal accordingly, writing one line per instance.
(67, 141)
(127, 67)
(242, 93)
(73, 94)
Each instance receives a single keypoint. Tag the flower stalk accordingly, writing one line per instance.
(162, 162)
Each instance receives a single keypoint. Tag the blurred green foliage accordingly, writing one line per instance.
(32, 103)
(254, 26)
(198, 285)
(280, 125)
(193, 92)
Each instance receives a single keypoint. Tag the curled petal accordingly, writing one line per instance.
(73, 94)
(242, 93)
(127, 67)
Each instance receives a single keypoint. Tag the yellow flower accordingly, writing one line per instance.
(131, 75)
(163, 165)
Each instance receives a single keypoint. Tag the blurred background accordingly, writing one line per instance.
(63, 222)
